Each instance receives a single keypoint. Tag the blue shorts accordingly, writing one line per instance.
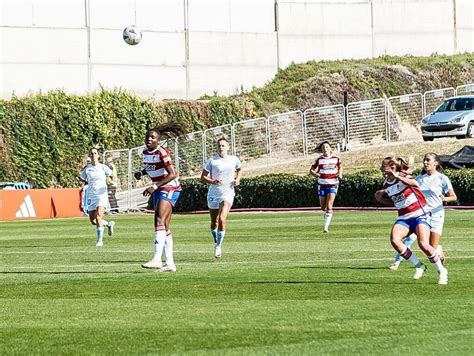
(324, 190)
(169, 195)
(412, 223)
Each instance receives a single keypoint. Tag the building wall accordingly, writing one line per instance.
(196, 47)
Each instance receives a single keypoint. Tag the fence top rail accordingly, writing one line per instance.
(471, 85)
(318, 108)
(189, 135)
(216, 128)
(358, 103)
(243, 122)
(275, 116)
(438, 90)
(405, 95)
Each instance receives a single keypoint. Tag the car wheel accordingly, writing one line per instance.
(427, 138)
(470, 130)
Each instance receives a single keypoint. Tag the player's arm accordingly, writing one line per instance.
(382, 197)
(314, 170)
(138, 175)
(206, 179)
(169, 177)
(450, 197)
(238, 176)
(407, 180)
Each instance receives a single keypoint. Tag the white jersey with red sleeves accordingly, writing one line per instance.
(155, 163)
(328, 169)
(408, 200)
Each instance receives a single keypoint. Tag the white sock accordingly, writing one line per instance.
(438, 263)
(159, 244)
(100, 233)
(408, 241)
(220, 237)
(214, 234)
(327, 220)
(169, 249)
(105, 223)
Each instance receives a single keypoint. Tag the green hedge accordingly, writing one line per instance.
(291, 191)
(44, 138)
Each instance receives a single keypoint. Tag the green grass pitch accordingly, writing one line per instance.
(282, 287)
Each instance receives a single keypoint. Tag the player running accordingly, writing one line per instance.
(94, 175)
(165, 189)
(327, 168)
(437, 189)
(222, 173)
(413, 216)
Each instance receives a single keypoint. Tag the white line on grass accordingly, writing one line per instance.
(195, 251)
(214, 263)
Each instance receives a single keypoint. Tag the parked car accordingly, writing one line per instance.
(454, 117)
(14, 185)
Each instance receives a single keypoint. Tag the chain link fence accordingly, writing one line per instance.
(250, 142)
(366, 123)
(404, 116)
(285, 137)
(325, 124)
(282, 138)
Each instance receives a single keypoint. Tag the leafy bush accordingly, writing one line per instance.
(291, 191)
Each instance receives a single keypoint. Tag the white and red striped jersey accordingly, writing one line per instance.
(408, 200)
(328, 169)
(155, 163)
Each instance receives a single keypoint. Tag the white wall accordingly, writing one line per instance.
(196, 47)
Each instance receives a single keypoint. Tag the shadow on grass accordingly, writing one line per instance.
(73, 272)
(311, 282)
(349, 267)
(118, 262)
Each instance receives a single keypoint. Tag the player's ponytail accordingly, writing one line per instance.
(403, 164)
(170, 127)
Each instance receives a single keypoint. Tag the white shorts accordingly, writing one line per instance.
(214, 202)
(94, 201)
(437, 222)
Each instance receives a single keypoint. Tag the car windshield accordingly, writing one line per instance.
(458, 104)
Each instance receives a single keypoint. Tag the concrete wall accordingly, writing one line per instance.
(194, 47)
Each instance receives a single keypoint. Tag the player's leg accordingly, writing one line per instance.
(323, 203)
(399, 230)
(214, 215)
(224, 209)
(329, 210)
(99, 214)
(407, 241)
(213, 205)
(437, 223)
(172, 199)
(423, 233)
(162, 209)
(103, 201)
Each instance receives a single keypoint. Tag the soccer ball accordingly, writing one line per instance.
(132, 35)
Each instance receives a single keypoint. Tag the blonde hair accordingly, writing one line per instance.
(400, 163)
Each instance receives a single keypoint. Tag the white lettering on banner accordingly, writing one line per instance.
(27, 210)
